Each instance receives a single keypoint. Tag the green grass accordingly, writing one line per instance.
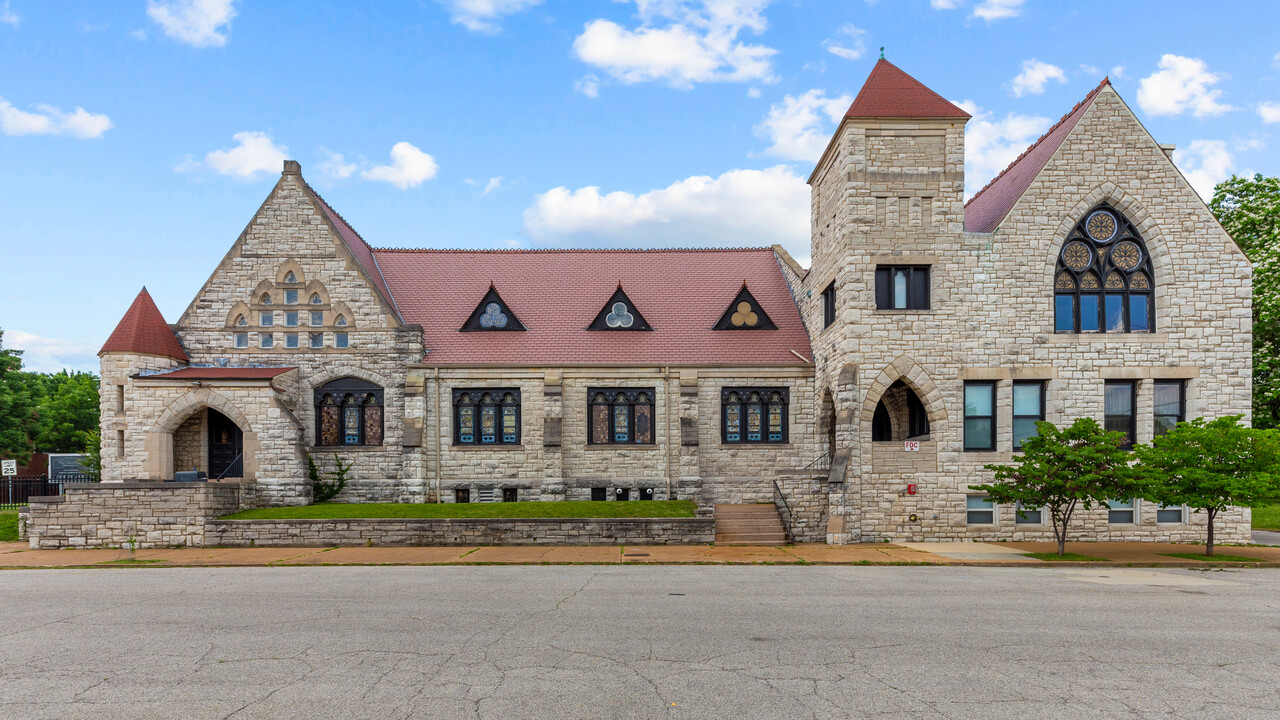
(132, 561)
(1206, 558)
(1267, 517)
(9, 526)
(572, 509)
(1068, 557)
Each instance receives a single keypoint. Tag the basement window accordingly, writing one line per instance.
(979, 511)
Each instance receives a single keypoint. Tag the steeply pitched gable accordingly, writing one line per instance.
(744, 313)
(143, 331)
(492, 314)
(889, 92)
(619, 314)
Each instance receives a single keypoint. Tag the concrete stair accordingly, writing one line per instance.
(749, 525)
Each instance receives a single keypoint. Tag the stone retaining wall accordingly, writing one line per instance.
(462, 531)
(152, 514)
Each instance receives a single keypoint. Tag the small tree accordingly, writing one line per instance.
(1210, 466)
(92, 460)
(1063, 470)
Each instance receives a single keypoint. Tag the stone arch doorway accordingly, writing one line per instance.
(225, 445)
(202, 430)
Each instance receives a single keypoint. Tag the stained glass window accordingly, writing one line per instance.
(1103, 244)
(492, 314)
(744, 313)
(350, 420)
(488, 420)
(510, 423)
(348, 412)
(619, 313)
(754, 415)
(621, 416)
(486, 417)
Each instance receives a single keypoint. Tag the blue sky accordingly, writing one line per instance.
(138, 137)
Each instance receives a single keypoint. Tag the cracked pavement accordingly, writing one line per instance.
(639, 642)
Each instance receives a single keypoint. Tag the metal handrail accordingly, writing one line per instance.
(230, 465)
(814, 465)
(786, 521)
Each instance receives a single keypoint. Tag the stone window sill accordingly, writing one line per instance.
(345, 448)
(755, 446)
(1087, 338)
(905, 311)
(642, 447)
(481, 448)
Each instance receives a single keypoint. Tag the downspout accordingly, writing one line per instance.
(435, 435)
(666, 379)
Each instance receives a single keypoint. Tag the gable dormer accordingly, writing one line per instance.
(619, 314)
(492, 314)
(744, 313)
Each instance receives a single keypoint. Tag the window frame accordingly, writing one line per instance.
(1180, 509)
(1101, 269)
(266, 318)
(1013, 401)
(1020, 512)
(341, 340)
(266, 341)
(992, 508)
(745, 392)
(241, 341)
(1122, 506)
(1133, 410)
(991, 384)
(314, 315)
(632, 397)
(829, 305)
(290, 297)
(1181, 416)
(291, 340)
(919, 292)
(499, 438)
(340, 389)
(312, 339)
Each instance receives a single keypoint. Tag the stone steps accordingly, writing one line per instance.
(749, 525)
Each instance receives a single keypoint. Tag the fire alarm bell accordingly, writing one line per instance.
(911, 489)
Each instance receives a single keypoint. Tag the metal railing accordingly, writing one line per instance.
(16, 492)
(784, 510)
(822, 462)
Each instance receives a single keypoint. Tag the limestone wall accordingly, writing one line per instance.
(463, 531)
(149, 514)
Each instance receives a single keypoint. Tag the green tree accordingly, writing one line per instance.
(1211, 466)
(92, 460)
(16, 406)
(1064, 470)
(66, 412)
(1249, 209)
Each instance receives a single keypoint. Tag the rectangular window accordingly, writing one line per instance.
(266, 340)
(462, 495)
(1118, 409)
(290, 297)
(291, 340)
(1139, 315)
(510, 495)
(1170, 405)
(1171, 514)
(340, 340)
(1115, 312)
(753, 415)
(1120, 512)
(266, 319)
(902, 287)
(317, 318)
(242, 340)
(829, 305)
(1028, 516)
(1028, 409)
(317, 340)
(620, 416)
(291, 318)
(979, 511)
(1064, 313)
(599, 494)
(1089, 310)
(119, 444)
(486, 416)
(980, 415)
(120, 399)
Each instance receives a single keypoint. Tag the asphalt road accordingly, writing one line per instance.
(639, 642)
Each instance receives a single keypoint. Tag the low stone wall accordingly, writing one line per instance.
(461, 531)
(807, 494)
(152, 514)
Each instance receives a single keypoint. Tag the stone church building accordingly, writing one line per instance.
(863, 395)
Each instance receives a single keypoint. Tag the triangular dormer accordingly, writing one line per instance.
(744, 313)
(619, 314)
(492, 314)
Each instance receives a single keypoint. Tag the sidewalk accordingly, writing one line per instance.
(18, 555)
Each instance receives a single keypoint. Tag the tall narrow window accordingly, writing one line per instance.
(317, 318)
(980, 415)
(1170, 405)
(291, 318)
(120, 399)
(620, 416)
(917, 417)
(1028, 409)
(1118, 409)
(902, 287)
(266, 319)
(348, 412)
(753, 415)
(341, 340)
(1103, 281)
(291, 340)
(266, 340)
(486, 417)
(317, 339)
(881, 424)
(242, 340)
(829, 305)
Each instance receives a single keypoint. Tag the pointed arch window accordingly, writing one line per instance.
(744, 313)
(265, 299)
(315, 298)
(1103, 281)
(289, 277)
(620, 416)
(349, 413)
(486, 417)
(619, 313)
(492, 314)
(753, 415)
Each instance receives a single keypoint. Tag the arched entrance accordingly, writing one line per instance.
(226, 447)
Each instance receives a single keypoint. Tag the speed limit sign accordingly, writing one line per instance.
(8, 468)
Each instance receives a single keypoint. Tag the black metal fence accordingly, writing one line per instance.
(15, 492)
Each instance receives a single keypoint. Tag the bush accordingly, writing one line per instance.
(326, 486)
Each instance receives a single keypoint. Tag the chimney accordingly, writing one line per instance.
(291, 167)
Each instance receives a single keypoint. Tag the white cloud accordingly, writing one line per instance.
(852, 48)
(41, 354)
(1181, 84)
(49, 120)
(1269, 112)
(1205, 163)
(998, 9)
(681, 42)
(1088, 69)
(990, 144)
(409, 167)
(741, 207)
(589, 85)
(1034, 76)
(194, 22)
(1275, 61)
(1117, 72)
(483, 15)
(799, 128)
(754, 93)
(9, 17)
(945, 4)
(255, 153)
(493, 184)
(335, 166)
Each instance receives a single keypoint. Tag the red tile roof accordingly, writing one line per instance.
(358, 247)
(890, 92)
(220, 373)
(143, 331)
(985, 211)
(557, 293)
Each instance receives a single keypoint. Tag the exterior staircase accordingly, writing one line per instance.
(749, 525)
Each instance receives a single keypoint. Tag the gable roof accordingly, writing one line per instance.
(558, 292)
(358, 248)
(504, 321)
(890, 92)
(143, 331)
(603, 320)
(985, 211)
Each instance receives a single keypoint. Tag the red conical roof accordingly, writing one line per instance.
(143, 331)
(889, 92)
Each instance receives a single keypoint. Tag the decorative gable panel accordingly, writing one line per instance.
(744, 313)
(492, 314)
(619, 314)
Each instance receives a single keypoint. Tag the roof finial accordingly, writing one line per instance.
(881, 52)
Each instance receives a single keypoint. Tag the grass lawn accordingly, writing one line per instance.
(1069, 557)
(572, 509)
(1267, 517)
(9, 526)
(1206, 558)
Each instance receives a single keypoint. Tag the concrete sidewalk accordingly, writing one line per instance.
(18, 555)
